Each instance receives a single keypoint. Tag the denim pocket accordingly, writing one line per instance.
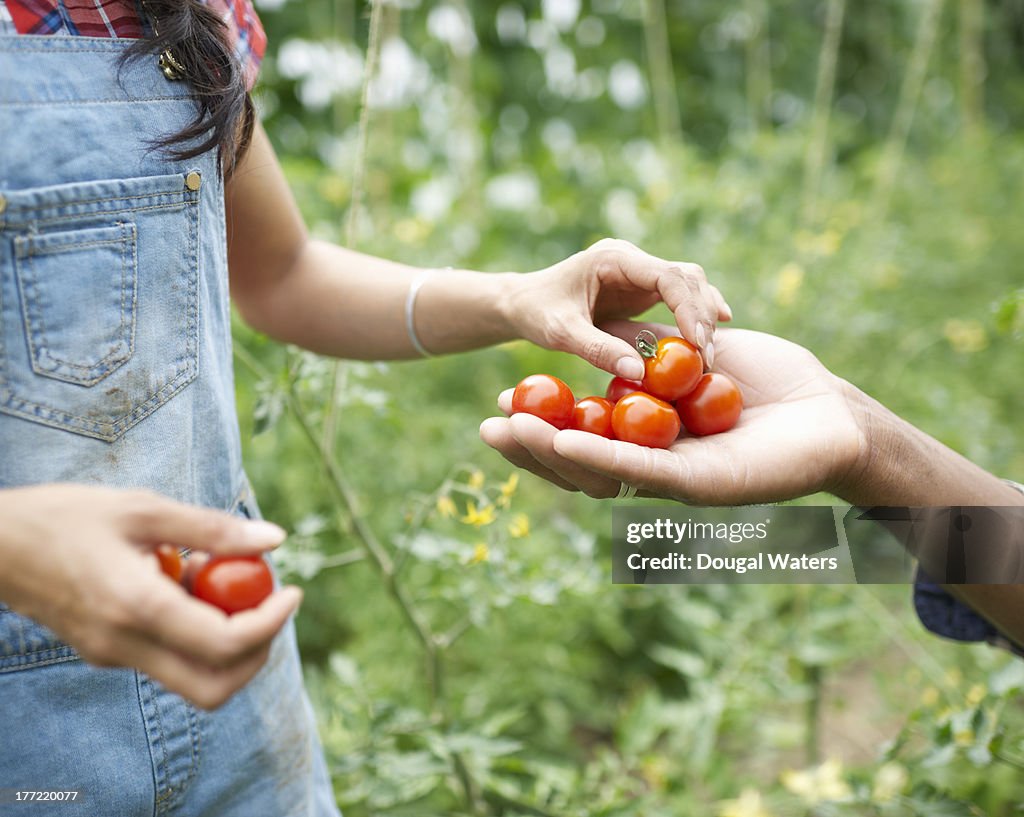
(99, 306)
(78, 333)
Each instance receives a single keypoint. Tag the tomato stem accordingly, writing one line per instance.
(647, 343)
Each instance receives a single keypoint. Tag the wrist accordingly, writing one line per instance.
(861, 476)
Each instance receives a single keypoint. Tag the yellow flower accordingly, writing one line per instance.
(508, 487)
(519, 526)
(446, 507)
(890, 781)
(976, 694)
(817, 785)
(478, 518)
(480, 554)
(965, 737)
(930, 697)
(791, 278)
(748, 804)
(966, 337)
(476, 480)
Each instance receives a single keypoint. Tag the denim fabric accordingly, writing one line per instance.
(116, 369)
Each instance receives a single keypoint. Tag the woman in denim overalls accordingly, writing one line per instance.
(116, 375)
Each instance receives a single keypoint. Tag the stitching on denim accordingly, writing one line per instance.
(46, 220)
(26, 660)
(86, 103)
(152, 193)
(104, 366)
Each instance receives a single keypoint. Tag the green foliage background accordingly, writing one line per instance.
(859, 194)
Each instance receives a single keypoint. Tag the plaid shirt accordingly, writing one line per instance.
(125, 18)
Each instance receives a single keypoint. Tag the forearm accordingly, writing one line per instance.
(906, 467)
(343, 303)
(900, 465)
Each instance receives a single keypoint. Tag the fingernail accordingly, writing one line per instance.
(629, 368)
(728, 311)
(701, 335)
(709, 354)
(260, 532)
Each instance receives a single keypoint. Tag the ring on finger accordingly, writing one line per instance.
(626, 491)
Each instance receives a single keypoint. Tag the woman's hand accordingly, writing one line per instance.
(798, 434)
(558, 307)
(78, 560)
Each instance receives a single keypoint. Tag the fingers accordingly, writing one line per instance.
(505, 401)
(206, 687)
(537, 438)
(660, 471)
(602, 350)
(153, 519)
(207, 636)
(497, 433)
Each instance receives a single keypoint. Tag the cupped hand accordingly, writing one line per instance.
(560, 307)
(79, 560)
(797, 435)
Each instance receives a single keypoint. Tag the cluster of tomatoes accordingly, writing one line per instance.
(675, 393)
(231, 583)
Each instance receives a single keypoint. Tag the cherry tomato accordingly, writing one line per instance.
(593, 414)
(673, 370)
(233, 583)
(620, 387)
(170, 561)
(546, 397)
(713, 406)
(645, 420)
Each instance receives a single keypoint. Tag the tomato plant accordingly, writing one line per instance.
(619, 387)
(712, 407)
(593, 414)
(546, 397)
(170, 561)
(645, 420)
(233, 583)
(672, 368)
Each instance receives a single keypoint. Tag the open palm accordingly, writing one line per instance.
(797, 434)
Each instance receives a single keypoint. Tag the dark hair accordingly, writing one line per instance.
(191, 41)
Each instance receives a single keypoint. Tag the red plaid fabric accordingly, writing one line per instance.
(125, 18)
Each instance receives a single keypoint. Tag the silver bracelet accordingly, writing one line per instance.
(410, 306)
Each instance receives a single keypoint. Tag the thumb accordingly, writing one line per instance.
(604, 351)
(157, 520)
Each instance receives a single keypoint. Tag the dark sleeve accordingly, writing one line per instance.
(944, 615)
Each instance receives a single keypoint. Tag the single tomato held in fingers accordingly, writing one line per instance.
(645, 420)
(546, 397)
(714, 406)
(593, 414)
(170, 561)
(672, 369)
(233, 583)
(620, 387)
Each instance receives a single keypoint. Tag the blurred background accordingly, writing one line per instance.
(849, 174)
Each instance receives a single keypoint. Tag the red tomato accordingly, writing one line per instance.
(546, 397)
(713, 406)
(170, 561)
(233, 583)
(620, 387)
(593, 414)
(645, 420)
(673, 370)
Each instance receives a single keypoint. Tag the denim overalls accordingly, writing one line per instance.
(116, 369)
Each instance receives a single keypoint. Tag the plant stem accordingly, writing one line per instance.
(358, 185)
(814, 161)
(659, 66)
(910, 91)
